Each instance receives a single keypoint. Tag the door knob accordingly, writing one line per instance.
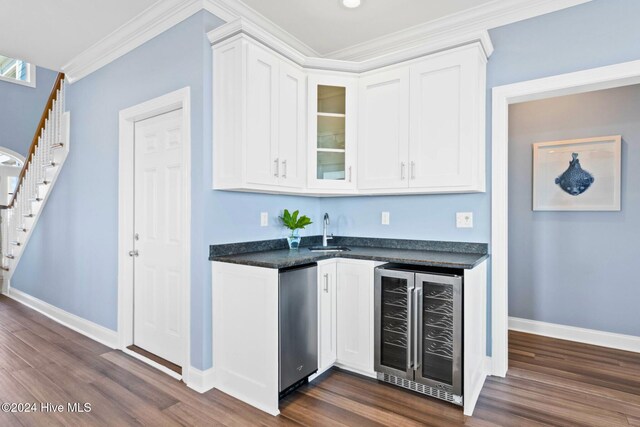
(133, 253)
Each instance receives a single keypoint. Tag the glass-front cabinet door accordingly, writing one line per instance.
(332, 132)
(393, 348)
(439, 348)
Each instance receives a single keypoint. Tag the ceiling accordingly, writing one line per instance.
(326, 26)
(50, 33)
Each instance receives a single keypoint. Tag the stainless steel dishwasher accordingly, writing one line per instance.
(298, 326)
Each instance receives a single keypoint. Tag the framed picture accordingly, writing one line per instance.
(577, 175)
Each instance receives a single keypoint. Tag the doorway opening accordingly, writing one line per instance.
(11, 164)
(614, 76)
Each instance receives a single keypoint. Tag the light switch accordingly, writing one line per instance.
(464, 219)
(385, 218)
(264, 219)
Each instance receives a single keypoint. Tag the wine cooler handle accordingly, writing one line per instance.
(410, 344)
(417, 329)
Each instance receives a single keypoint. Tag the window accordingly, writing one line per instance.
(17, 71)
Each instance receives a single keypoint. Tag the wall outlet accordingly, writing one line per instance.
(464, 219)
(385, 218)
(264, 219)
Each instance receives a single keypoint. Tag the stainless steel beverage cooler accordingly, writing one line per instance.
(418, 329)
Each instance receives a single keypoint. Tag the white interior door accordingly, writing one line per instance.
(159, 270)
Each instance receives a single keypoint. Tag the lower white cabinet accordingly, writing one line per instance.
(327, 325)
(355, 315)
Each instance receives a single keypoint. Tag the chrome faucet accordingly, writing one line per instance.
(325, 225)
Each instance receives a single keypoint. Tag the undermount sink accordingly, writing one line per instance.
(328, 249)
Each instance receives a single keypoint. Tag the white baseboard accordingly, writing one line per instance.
(200, 381)
(92, 330)
(571, 333)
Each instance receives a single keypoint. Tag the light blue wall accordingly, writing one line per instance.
(71, 261)
(21, 108)
(601, 32)
(575, 268)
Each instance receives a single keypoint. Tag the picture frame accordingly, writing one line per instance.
(577, 174)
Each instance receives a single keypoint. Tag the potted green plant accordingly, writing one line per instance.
(294, 223)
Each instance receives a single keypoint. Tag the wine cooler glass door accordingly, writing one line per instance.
(439, 332)
(394, 323)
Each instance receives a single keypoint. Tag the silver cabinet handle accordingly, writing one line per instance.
(402, 166)
(284, 168)
(413, 170)
(134, 253)
(417, 330)
(277, 168)
(326, 282)
(350, 175)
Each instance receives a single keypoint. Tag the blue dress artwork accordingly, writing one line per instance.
(575, 180)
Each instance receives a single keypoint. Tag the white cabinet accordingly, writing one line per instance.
(446, 140)
(332, 124)
(355, 315)
(415, 127)
(259, 118)
(292, 152)
(327, 319)
(384, 130)
(261, 159)
(421, 125)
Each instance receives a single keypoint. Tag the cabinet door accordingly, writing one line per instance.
(444, 124)
(327, 316)
(261, 153)
(355, 316)
(332, 125)
(292, 130)
(383, 128)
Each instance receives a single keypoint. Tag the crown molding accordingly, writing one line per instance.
(242, 26)
(481, 18)
(157, 19)
(454, 30)
(237, 9)
(148, 24)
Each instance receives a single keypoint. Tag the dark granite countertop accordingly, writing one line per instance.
(273, 253)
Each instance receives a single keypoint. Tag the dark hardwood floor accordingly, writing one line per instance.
(550, 382)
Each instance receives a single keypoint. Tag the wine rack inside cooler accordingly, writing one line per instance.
(394, 323)
(438, 332)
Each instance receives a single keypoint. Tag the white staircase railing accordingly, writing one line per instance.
(47, 154)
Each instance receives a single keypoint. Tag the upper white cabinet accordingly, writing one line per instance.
(284, 123)
(259, 119)
(332, 123)
(446, 139)
(383, 161)
(421, 125)
(292, 152)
